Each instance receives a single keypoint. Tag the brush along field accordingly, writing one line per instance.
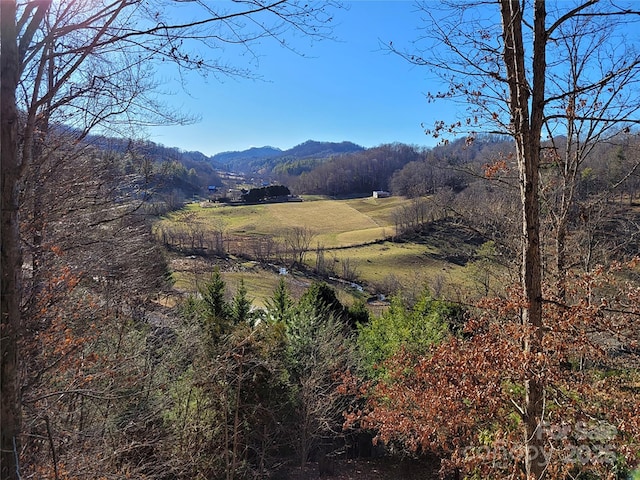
(352, 235)
(190, 274)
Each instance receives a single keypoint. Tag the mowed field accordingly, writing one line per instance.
(351, 232)
(334, 223)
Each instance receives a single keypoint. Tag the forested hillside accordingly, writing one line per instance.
(360, 172)
(167, 177)
(268, 161)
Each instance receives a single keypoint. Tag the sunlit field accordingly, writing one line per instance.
(334, 223)
(355, 238)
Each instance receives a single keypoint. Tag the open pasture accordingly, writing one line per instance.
(334, 223)
(190, 274)
(384, 266)
(352, 234)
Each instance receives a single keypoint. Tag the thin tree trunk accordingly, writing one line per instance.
(526, 132)
(236, 420)
(561, 260)
(11, 257)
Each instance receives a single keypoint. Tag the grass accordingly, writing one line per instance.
(260, 282)
(347, 230)
(409, 264)
(335, 223)
(375, 262)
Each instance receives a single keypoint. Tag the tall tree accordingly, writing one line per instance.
(594, 101)
(319, 350)
(11, 259)
(499, 65)
(526, 129)
(83, 64)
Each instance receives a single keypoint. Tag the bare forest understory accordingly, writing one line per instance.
(365, 469)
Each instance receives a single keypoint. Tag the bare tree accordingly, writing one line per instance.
(78, 65)
(593, 99)
(297, 241)
(506, 68)
(349, 269)
(216, 236)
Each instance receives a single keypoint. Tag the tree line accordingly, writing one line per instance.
(269, 192)
(359, 172)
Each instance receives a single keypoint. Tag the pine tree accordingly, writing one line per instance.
(215, 311)
(279, 305)
(241, 305)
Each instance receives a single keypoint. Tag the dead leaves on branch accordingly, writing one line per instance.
(83, 366)
(465, 399)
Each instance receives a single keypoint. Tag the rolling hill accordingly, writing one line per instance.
(260, 159)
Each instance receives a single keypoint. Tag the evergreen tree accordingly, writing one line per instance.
(214, 312)
(414, 329)
(241, 305)
(280, 304)
(320, 299)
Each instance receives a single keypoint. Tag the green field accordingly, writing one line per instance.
(352, 233)
(334, 223)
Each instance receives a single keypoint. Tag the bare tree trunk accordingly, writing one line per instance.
(236, 421)
(561, 260)
(526, 131)
(11, 258)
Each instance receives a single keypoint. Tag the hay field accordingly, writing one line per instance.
(334, 223)
(347, 229)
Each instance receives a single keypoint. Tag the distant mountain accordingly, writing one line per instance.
(229, 160)
(311, 148)
(267, 158)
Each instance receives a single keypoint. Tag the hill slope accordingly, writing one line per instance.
(268, 158)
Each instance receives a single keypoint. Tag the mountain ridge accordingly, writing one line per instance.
(255, 159)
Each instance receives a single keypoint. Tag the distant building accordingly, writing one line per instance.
(381, 194)
(235, 194)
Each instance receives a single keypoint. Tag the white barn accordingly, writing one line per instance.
(381, 194)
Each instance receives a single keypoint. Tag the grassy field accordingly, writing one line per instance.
(334, 223)
(190, 274)
(348, 230)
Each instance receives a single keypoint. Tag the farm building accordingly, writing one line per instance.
(381, 194)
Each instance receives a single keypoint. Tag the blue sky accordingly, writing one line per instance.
(347, 89)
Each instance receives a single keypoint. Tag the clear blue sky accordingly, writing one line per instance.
(347, 89)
